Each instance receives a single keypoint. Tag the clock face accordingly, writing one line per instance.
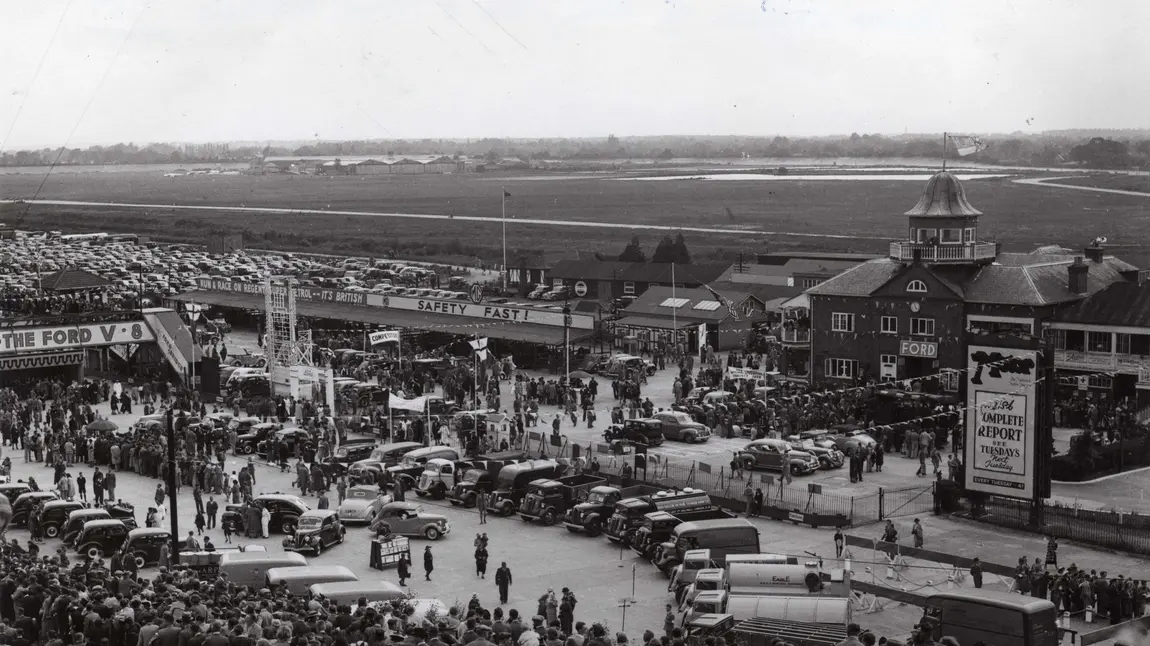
(914, 307)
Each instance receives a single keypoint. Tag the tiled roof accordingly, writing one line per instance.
(641, 272)
(762, 292)
(650, 303)
(861, 280)
(1123, 303)
(72, 279)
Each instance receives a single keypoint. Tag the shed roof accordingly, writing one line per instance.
(1123, 303)
(71, 279)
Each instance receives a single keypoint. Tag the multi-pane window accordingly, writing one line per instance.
(922, 327)
(842, 322)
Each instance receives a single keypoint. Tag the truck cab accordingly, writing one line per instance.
(658, 525)
(548, 500)
(437, 479)
(513, 480)
(629, 512)
(592, 514)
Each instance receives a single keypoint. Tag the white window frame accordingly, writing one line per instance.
(971, 319)
(628, 288)
(948, 378)
(968, 234)
(924, 235)
(835, 368)
(842, 322)
(916, 286)
(888, 359)
(888, 329)
(918, 327)
(957, 233)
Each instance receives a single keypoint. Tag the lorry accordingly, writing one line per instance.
(440, 475)
(512, 482)
(629, 512)
(591, 515)
(658, 525)
(548, 500)
(723, 536)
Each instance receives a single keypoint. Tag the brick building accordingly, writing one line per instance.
(904, 316)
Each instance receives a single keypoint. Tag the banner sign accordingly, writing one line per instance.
(14, 340)
(745, 373)
(921, 349)
(1002, 401)
(42, 361)
(386, 336)
(488, 311)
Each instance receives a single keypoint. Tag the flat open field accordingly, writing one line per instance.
(1138, 183)
(756, 213)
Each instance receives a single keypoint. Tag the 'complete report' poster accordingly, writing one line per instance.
(1000, 421)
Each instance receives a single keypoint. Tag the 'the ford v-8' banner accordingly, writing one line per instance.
(1002, 396)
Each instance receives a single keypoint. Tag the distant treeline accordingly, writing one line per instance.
(1091, 149)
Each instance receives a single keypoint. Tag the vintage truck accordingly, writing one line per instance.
(547, 501)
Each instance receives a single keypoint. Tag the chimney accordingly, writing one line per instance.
(1094, 252)
(1077, 276)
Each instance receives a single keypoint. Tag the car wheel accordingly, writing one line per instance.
(594, 528)
(689, 439)
(470, 502)
(247, 449)
(548, 518)
(94, 552)
(288, 527)
(431, 533)
(419, 493)
(507, 509)
(341, 537)
(51, 531)
(141, 561)
(439, 493)
(795, 471)
(748, 464)
(319, 547)
(237, 363)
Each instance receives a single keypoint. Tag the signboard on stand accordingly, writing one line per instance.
(386, 336)
(1004, 421)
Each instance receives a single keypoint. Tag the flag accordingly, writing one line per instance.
(505, 193)
(966, 145)
(730, 305)
(478, 344)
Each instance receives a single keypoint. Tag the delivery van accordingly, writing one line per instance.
(348, 593)
(251, 568)
(996, 618)
(298, 580)
(722, 537)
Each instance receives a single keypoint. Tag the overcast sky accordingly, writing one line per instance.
(106, 71)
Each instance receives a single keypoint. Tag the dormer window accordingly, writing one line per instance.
(916, 287)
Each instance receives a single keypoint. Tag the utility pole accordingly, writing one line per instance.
(567, 338)
(173, 509)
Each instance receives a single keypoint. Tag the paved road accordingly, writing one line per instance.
(429, 216)
(1052, 182)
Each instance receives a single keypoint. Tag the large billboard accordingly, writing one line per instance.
(14, 340)
(1002, 421)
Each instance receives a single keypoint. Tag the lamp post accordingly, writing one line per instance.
(567, 338)
(170, 423)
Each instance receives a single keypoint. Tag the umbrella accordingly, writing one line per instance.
(579, 374)
(102, 425)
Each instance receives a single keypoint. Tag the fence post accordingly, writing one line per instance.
(851, 517)
(881, 503)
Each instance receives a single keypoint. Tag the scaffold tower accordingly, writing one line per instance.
(281, 343)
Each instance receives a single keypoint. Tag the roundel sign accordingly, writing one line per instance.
(476, 293)
(580, 289)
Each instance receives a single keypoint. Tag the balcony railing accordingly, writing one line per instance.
(1103, 362)
(965, 252)
(796, 335)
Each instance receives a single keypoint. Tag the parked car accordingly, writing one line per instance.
(249, 442)
(144, 544)
(99, 538)
(368, 470)
(362, 503)
(285, 511)
(821, 445)
(77, 519)
(409, 519)
(776, 455)
(293, 438)
(248, 360)
(26, 502)
(55, 514)
(647, 432)
(849, 436)
(350, 451)
(678, 425)
(316, 530)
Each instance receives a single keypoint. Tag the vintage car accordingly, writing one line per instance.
(248, 360)
(218, 420)
(78, 518)
(776, 455)
(99, 538)
(242, 425)
(413, 463)
(294, 438)
(409, 519)
(252, 441)
(317, 530)
(24, 504)
(368, 470)
(350, 451)
(55, 514)
(285, 510)
(362, 503)
(144, 543)
(14, 490)
(821, 445)
(849, 436)
(679, 426)
(647, 432)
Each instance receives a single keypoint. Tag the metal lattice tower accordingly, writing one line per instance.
(281, 346)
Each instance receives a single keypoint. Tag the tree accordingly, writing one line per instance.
(633, 252)
(672, 250)
(682, 254)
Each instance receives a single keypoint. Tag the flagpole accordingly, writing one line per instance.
(674, 312)
(944, 151)
(475, 375)
(503, 197)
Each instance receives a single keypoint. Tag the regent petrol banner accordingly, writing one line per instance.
(1001, 415)
(69, 337)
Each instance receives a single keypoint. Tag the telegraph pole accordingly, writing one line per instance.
(171, 484)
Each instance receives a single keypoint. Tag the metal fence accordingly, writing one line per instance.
(1124, 531)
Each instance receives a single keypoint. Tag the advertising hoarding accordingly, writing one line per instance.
(69, 337)
(1002, 421)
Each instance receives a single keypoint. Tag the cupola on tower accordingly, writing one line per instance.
(943, 227)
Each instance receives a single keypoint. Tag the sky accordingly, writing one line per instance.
(84, 72)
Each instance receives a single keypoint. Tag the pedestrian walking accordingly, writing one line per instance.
(404, 569)
(749, 497)
(916, 532)
(976, 572)
(481, 561)
(200, 522)
(82, 486)
(921, 465)
(840, 540)
(503, 582)
(227, 532)
(758, 501)
(1051, 552)
(481, 503)
(212, 508)
(428, 563)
